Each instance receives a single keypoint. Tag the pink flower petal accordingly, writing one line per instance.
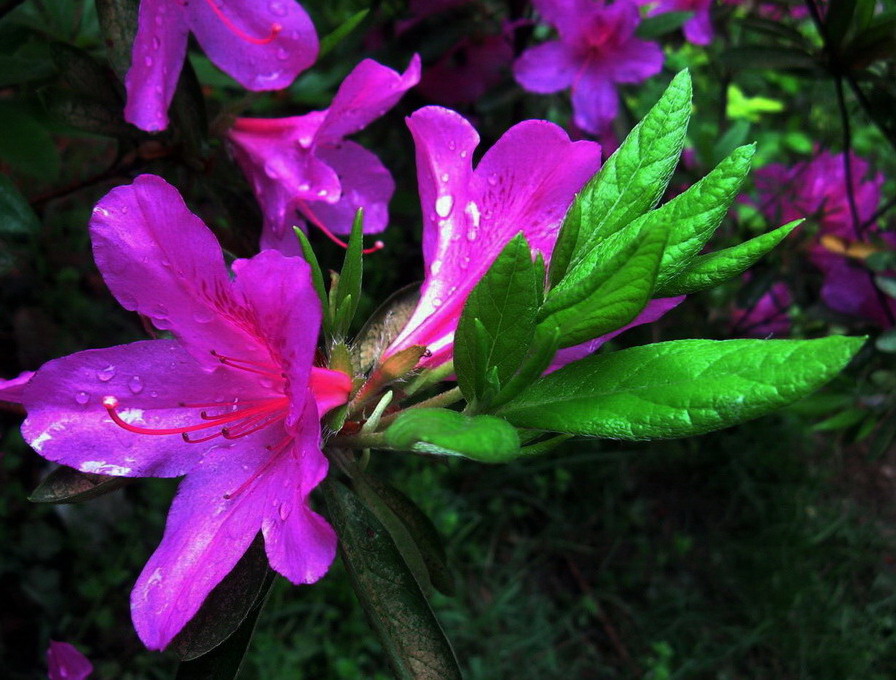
(160, 260)
(160, 47)
(594, 102)
(546, 68)
(367, 92)
(262, 45)
(366, 183)
(65, 662)
(152, 380)
(13, 389)
(524, 183)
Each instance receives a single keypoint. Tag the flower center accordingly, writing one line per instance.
(236, 30)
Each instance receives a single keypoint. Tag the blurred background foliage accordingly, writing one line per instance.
(764, 551)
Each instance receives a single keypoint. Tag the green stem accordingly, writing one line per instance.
(438, 401)
(362, 440)
(429, 377)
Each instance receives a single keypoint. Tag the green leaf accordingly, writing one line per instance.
(317, 278)
(768, 56)
(411, 636)
(17, 219)
(227, 606)
(225, 661)
(15, 69)
(606, 291)
(887, 285)
(680, 388)
(332, 39)
(739, 106)
(661, 24)
(90, 115)
(545, 344)
(118, 22)
(67, 485)
(26, 145)
(413, 532)
(442, 432)
(345, 297)
(634, 178)
(79, 72)
(707, 271)
(498, 321)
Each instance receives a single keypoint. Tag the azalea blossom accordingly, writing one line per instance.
(12, 390)
(65, 662)
(597, 49)
(697, 29)
(468, 69)
(303, 163)
(232, 402)
(262, 45)
(765, 318)
(817, 189)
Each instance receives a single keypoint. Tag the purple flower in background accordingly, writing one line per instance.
(597, 49)
(304, 164)
(468, 70)
(65, 662)
(525, 182)
(232, 402)
(697, 29)
(767, 317)
(816, 189)
(262, 45)
(12, 390)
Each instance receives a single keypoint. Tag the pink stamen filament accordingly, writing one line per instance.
(250, 366)
(316, 221)
(240, 33)
(248, 420)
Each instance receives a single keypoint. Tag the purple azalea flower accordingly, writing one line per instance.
(262, 45)
(525, 182)
(304, 164)
(597, 49)
(817, 189)
(468, 69)
(12, 390)
(232, 402)
(767, 317)
(65, 662)
(697, 29)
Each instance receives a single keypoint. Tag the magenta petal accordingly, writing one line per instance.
(262, 45)
(698, 29)
(569, 16)
(366, 183)
(152, 380)
(206, 534)
(12, 390)
(635, 61)
(160, 260)
(594, 102)
(444, 142)
(300, 544)
(160, 47)
(546, 68)
(367, 93)
(65, 662)
(286, 312)
(524, 183)
(654, 310)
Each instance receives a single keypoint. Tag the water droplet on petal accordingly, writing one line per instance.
(445, 177)
(452, 145)
(493, 179)
(277, 8)
(322, 192)
(304, 186)
(465, 262)
(472, 233)
(437, 302)
(282, 54)
(203, 315)
(106, 374)
(147, 61)
(444, 204)
(135, 384)
(82, 398)
(464, 153)
(156, 43)
(285, 509)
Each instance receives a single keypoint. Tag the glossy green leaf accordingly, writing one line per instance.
(706, 271)
(17, 219)
(448, 433)
(413, 532)
(87, 114)
(346, 295)
(67, 485)
(332, 39)
(411, 636)
(227, 606)
(498, 321)
(607, 290)
(634, 178)
(680, 388)
(26, 145)
(545, 344)
(317, 277)
(79, 72)
(567, 240)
